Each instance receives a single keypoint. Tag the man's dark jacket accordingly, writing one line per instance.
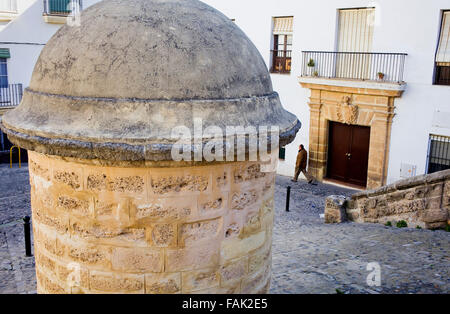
(302, 159)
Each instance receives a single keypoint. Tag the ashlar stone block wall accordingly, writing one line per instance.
(421, 201)
(105, 229)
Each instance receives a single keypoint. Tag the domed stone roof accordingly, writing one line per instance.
(115, 86)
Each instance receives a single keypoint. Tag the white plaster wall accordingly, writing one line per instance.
(22, 5)
(25, 36)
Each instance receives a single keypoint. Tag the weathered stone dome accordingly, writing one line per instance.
(115, 86)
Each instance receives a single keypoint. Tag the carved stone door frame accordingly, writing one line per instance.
(371, 107)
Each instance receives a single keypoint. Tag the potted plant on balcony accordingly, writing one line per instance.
(380, 75)
(311, 65)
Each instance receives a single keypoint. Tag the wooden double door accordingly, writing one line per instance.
(348, 153)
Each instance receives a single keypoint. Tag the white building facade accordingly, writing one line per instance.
(25, 28)
(377, 71)
(28, 29)
(413, 27)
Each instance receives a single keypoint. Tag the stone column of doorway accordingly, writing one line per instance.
(318, 138)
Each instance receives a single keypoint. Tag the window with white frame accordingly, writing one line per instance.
(282, 44)
(61, 7)
(356, 30)
(355, 37)
(3, 73)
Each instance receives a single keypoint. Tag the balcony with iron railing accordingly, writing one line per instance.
(8, 10)
(281, 61)
(359, 66)
(10, 95)
(56, 11)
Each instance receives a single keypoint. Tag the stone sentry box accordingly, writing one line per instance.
(112, 211)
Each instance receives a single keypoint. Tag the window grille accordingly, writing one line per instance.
(438, 153)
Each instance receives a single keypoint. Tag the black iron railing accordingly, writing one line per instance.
(387, 67)
(10, 95)
(8, 6)
(61, 7)
(281, 61)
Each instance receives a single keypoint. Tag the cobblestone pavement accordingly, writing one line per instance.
(16, 271)
(312, 257)
(308, 255)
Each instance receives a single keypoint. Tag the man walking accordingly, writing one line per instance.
(300, 165)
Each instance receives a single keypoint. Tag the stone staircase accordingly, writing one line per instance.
(422, 201)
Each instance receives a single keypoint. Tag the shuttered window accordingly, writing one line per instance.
(443, 53)
(355, 34)
(356, 30)
(283, 25)
(60, 6)
(282, 44)
(4, 53)
(3, 74)
(442, 67)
